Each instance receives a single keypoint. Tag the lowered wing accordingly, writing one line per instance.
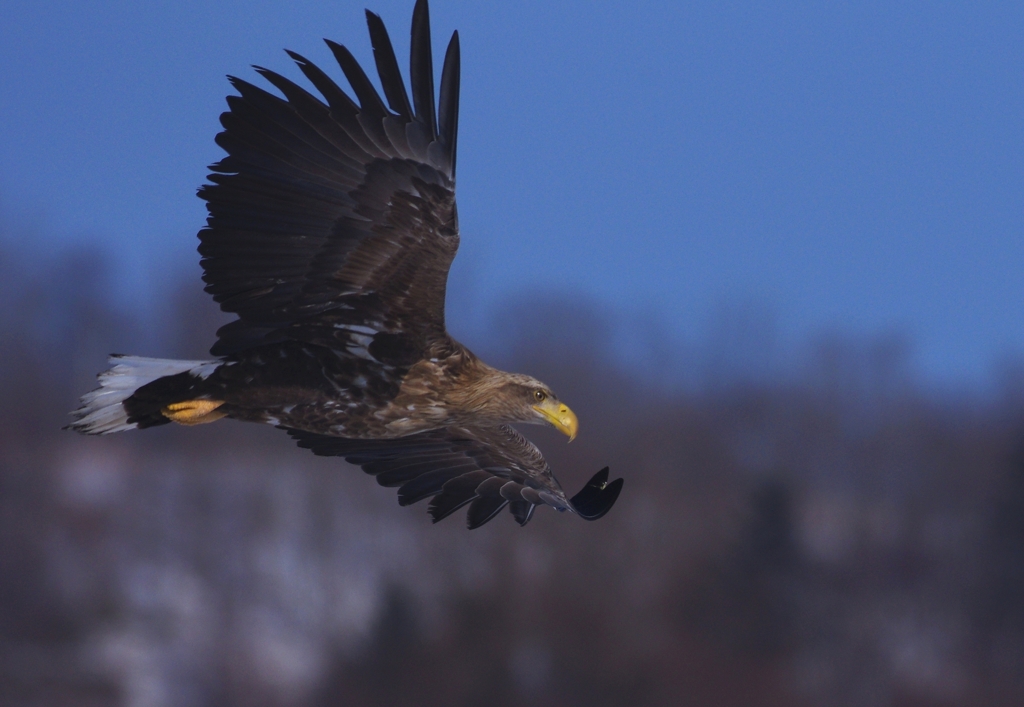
(487, 468)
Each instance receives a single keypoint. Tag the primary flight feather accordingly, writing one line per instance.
(332, 225)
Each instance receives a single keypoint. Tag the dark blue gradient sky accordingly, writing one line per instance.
(835, 166)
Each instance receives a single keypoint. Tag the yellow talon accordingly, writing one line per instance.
(193, 412)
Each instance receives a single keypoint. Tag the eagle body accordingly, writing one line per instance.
(300, 386)
(332, 226)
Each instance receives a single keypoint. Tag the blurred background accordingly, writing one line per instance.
(771, 255)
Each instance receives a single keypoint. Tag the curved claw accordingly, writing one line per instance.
(597, 497)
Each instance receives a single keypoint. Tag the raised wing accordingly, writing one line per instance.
(331, 219)
(488, 468)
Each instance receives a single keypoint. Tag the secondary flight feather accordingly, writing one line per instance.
(332, 225)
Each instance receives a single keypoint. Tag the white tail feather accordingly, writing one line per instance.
(102, 411)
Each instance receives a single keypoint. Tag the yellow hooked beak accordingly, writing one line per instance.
(560, 416)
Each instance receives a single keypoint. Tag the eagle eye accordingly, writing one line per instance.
(540, 395)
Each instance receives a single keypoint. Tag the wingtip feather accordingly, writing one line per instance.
(421, 68)
(448, 113)
(597, 497)
(387, 66)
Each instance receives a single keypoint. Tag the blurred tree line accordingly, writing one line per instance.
(836, 535)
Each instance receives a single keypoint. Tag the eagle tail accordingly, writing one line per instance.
(104, 410)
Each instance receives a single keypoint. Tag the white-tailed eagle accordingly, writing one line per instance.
(332, 225)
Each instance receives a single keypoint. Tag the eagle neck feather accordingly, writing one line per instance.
(480, 393)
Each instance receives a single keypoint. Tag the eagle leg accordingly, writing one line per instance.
(193, 412)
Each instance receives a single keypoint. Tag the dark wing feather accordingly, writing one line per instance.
(488, 504)
(597, 497)
(331, 221)
(456, 493)
(448, 120)
(387, 67)
(421, 67)
(522, 511)
(487, 468)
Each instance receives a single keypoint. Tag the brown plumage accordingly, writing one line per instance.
(331, 229)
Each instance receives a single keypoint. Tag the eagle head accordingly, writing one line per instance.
(521, 398)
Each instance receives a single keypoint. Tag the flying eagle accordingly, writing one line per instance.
(332, 225)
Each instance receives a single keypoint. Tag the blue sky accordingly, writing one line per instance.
(838, 166)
